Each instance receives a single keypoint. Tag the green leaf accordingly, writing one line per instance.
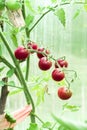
(10, 73)
(46, 125)
(41, 9)
(62, 128)
(70, 125)
(14, 39)
(11, 83)
(53, 1)
(85, 7)
(15, 92)
(60, 13)
(14, 36)
(33, 126)
(64, 0)
(10, 118)
(40, 96)
(29, 6)
(72, 108)
(0, 50)
(2, 68)
(2, 83)
(85, 1)
(29, 19)
(62, 83)
(76, 13)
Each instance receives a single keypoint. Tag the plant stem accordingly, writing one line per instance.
(38, 118)
(51, 9)
(27, 68)
(13, 86)
(10, 66)
(26, 91)
(28, 35)
(39, 20)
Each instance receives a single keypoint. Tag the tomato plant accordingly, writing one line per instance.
(21, 49)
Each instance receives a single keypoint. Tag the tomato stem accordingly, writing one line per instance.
(23, 83)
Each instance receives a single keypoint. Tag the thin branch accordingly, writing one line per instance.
(40, 19)
(2, 59)
(51, 9)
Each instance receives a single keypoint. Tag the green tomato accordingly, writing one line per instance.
(2, 4)
(13, 4)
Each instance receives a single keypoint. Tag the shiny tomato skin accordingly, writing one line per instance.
(62, 63)
(21, 53)
(44, 64)
(64, 93)
(58, 75)
(39, 55)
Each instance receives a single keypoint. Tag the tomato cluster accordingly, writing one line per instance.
(45, 63)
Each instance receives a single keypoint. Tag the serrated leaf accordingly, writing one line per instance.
(33, 126)
(29, 19)
(60, 13)
(76, 13)
(2, 83)
(15, 92)
(10, 73)
(72, 108)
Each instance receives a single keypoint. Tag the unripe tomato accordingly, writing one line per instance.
(2, 4)
(64, 93)
(13, 4)
(21, 53)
